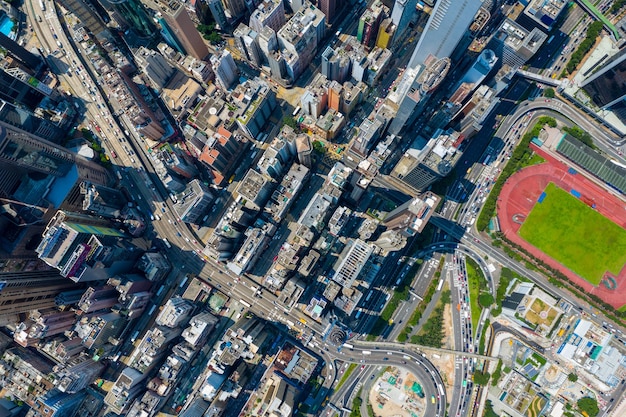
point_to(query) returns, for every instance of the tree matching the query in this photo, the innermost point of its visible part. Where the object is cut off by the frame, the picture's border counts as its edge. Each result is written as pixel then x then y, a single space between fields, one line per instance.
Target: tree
pixel 481 378
pixel 291 122
pixel 572 377
pixel 588 405
pixel 485 299
pixel 548 92
pixel 319 147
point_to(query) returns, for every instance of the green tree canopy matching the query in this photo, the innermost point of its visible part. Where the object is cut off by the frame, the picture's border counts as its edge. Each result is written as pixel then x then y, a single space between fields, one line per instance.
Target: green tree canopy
pixel 588 405
pixel 485 299
pixel 481 378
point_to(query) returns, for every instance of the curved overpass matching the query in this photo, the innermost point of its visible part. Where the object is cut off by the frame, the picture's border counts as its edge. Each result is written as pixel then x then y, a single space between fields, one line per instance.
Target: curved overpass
pixel 558 106
pixel 365 353
pixel 436 247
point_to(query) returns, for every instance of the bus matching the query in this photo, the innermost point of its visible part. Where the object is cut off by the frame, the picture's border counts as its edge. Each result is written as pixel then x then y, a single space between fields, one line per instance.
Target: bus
pixel 358 314
pixel 167 243
pixel 487 159
pixel 369 295
pixel 347 345
pixel 43 6
pixel 551 39
pixel 152 310
pixel 183 282
pixel 295 111
pixel 366 352
pixel 245 304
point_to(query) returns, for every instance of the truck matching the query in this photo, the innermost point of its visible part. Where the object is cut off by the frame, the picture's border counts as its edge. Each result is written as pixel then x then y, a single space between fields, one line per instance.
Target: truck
pixel 366 352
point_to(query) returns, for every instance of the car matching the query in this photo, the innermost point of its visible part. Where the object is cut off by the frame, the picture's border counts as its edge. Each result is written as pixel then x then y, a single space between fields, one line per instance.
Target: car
pixel 385 359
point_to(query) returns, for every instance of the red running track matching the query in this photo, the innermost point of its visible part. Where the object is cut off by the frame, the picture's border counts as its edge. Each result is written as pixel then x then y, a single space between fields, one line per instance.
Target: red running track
pixel 522 190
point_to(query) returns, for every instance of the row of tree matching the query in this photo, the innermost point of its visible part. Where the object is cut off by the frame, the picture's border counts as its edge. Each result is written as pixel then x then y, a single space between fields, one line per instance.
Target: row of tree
pixel 584 47
pixel 520 156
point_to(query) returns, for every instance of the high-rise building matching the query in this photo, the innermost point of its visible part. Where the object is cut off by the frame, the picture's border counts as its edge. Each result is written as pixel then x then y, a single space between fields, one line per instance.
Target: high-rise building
pixel 183 29
pixel 299 38
pixel 351 262
pixel 225 69
pixel 447 24
pixel 101 200
pixel 607 86
pixel 385 33
pixel 53 131
pixel 270 13
pixel 193 202
pixel 220 154
pixel 247 41
pixel 27 290
pixel 542 14
pixel 402 14
pixel 23 145
pixel 175 311
pixel 404 98
pixel 16 51
pixel 483 65
pixel 421 168
pixel 85 248
pixel 336 65
pixel 256 108
pixel 78 373
pixel 133 15
pixel 86 13
pixel 26 154
pixel 98 298
pixel 369 24
pixel 154 66
pixel 126 388
pixel 411 217
pixel 328 7
pixel 295 5
pixel 43 323
pixel 219 14
pixel 514 45
pixel 21 84
pixel 235 8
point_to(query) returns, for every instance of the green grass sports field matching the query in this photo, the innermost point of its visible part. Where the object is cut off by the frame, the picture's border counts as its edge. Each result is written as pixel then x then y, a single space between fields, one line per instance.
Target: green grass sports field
pixel 575 235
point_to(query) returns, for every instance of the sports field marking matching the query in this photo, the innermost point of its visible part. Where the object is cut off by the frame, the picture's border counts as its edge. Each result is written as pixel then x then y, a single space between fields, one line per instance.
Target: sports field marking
pixel 569 231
